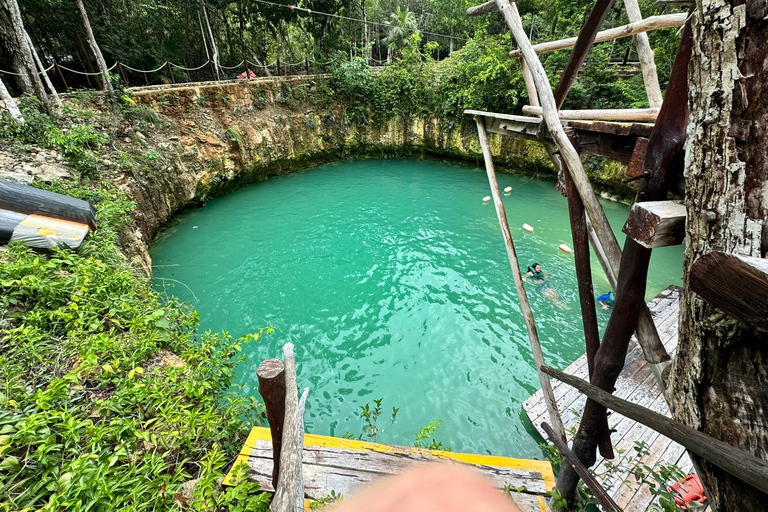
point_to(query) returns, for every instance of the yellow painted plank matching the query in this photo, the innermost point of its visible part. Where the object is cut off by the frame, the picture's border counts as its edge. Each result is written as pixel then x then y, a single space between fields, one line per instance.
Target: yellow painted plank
pixel 263 434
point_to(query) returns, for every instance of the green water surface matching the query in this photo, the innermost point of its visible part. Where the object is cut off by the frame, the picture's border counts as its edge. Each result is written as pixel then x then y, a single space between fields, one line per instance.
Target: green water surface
pixel 391 278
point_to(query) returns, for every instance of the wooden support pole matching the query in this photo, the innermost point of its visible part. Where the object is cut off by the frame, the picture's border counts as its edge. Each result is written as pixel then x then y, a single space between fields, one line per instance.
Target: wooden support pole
pixel 271 375
pixel 170 72
pixel 289 494
pixel 602 496
pixel 525 307
pixel 61 75
pixel 616 114
pixel 583 44
pixel 95 48
pixel 43 73
pixel 655 224
pixel 278 66
pixel 738 285
pixel 645 55
pixel 122 74
pixel 530 86
pixel 739 463
pixel 635 166
pixel 650 23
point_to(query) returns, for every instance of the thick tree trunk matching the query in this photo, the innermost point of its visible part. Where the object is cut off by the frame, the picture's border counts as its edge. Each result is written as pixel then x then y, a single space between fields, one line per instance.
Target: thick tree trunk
pixel 214 47
pixel 95 49
pixel 20 36
pixel 11 53
pixel 43 73
pixel 719 381
pixel 365 28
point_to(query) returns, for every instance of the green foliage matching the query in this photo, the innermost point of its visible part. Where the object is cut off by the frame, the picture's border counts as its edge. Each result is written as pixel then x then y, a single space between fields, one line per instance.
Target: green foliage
pixel 108 397
pixel 326 500
pixel 370 417
pixel 77 143
pixel 425 437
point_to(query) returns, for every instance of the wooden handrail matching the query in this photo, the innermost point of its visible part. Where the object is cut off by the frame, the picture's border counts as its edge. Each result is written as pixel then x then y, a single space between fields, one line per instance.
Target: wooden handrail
pixel 739 463
pixel 617 114
pixel 651 23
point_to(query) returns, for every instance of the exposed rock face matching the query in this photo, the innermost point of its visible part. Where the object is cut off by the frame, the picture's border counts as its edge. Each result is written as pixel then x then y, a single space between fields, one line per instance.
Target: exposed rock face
pixel 31 163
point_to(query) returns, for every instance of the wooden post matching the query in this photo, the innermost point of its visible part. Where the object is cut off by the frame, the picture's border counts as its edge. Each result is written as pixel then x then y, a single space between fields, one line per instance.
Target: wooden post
pixel 530 85
pixel 738 463
pixel 61 75
pixel 602 496
pixel 655 224
pixel 525 307
pixel 583 44
pixel 122 74
pixel 278 67
pixel 289 494
pixel 170 72
pixel 306 64
pixel 271 375
pixel 44 73
pixel 645 55
pixel 213 70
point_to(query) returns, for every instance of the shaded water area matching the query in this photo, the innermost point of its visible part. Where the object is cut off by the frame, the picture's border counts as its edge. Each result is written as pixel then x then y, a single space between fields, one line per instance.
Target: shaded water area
pixel 391 278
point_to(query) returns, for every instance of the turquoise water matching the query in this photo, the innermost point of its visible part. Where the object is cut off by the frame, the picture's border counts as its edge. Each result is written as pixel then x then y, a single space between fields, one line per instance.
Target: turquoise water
pixel 391 278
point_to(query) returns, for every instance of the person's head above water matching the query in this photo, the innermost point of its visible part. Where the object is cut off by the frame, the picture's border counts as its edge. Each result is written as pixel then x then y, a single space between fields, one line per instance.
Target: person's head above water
pixel 535 268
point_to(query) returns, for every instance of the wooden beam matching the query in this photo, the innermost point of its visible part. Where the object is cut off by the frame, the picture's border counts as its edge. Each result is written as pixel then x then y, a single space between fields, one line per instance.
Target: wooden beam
pixel 481 9
pixel 584 42
pixel 738 285
pixel 616 114
pixel 651 23
pixel 271 375
pixel 655 224
pixel 602 496
pixel 738 463
pixel 525 307
pixel 645 55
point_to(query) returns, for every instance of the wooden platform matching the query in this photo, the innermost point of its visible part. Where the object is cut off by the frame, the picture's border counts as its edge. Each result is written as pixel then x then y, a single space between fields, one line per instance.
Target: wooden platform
pixel 344 465
pixel 636 384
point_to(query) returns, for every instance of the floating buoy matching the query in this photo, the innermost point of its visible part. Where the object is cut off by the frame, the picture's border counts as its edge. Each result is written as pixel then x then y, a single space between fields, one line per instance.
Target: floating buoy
pixel 564 248
pixel 508 190
pixel 486 199
pixel 528 228
pixel 194 227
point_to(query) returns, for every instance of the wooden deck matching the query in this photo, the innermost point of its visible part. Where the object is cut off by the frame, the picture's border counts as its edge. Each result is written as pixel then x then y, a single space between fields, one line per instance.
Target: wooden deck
pixel 637 385
pixel 344 465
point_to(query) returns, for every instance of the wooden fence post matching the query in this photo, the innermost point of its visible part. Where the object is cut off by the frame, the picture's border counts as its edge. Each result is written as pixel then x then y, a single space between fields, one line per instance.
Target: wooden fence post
pixel 61 75
pixel 271 375
pixel 122 73
pixel 170 72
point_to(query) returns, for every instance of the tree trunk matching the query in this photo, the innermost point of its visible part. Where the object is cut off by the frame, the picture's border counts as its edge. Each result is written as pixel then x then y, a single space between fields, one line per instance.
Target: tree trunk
pixel 10 52
pixel 720 375
pixel 10 104
pixel 365 28
pixel 95 49
pixel 20 36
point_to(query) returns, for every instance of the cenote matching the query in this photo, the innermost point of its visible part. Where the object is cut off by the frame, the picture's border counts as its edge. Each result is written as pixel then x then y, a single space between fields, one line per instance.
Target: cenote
pixel 391 278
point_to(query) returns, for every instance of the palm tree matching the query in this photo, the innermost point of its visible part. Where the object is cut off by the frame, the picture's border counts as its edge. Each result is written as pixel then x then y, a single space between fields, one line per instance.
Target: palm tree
pixel 401 24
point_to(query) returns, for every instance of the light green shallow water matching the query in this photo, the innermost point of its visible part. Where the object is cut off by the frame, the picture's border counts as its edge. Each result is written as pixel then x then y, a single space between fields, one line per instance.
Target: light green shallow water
pixel 391 278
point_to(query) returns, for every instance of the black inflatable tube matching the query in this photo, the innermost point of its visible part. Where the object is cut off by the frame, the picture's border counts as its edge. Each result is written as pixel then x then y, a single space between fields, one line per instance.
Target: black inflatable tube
pixel 32 201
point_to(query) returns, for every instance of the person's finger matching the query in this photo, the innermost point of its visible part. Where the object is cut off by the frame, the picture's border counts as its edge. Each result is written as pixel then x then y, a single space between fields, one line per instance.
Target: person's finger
pixel 441 487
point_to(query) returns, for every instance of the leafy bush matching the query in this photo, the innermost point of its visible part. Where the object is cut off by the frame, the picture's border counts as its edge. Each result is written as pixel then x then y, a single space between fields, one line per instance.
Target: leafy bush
pixel 77 144
pixel 108 397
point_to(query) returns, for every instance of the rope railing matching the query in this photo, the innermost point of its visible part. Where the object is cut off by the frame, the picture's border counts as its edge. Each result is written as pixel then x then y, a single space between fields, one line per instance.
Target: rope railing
pixel 243 65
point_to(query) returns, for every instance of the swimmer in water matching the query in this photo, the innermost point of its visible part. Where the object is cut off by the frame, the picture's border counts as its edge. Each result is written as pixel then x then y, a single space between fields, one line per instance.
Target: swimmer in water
pixel 606 300
pixel 535 273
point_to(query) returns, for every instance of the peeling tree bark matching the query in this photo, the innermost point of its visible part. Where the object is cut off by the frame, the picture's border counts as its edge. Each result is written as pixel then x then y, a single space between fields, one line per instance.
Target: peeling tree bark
pixel 719 382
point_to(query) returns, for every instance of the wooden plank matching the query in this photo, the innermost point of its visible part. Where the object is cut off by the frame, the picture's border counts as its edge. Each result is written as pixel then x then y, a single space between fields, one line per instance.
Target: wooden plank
pixel 507 117
pixel 616 114
pixel 738 285
pixel 612 127
pixel 655 224
pixel 344 465
pixel 648 24
pixel 739 463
